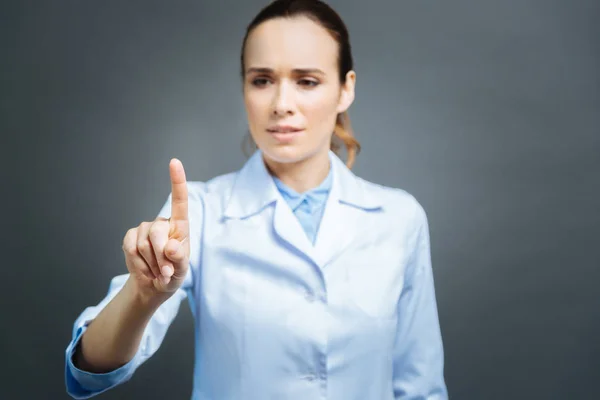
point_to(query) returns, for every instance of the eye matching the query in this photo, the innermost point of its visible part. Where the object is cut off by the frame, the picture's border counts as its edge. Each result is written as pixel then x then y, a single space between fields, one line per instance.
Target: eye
pixel 308 82
pixel 259 82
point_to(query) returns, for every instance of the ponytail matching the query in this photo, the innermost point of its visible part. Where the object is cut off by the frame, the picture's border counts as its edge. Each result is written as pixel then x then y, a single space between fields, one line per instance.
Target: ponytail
pixel 343 133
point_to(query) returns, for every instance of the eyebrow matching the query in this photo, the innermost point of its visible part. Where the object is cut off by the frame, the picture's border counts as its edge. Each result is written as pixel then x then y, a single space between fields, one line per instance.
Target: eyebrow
pixel 298 71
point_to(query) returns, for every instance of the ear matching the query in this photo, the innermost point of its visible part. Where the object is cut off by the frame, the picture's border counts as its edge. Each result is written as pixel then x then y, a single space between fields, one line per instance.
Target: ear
pixel 347 92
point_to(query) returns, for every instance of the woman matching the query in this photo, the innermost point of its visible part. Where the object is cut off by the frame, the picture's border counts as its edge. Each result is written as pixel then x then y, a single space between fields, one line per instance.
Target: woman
pixel 305 281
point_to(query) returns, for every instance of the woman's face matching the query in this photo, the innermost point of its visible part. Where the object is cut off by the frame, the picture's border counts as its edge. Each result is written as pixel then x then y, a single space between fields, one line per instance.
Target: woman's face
pixel 292 90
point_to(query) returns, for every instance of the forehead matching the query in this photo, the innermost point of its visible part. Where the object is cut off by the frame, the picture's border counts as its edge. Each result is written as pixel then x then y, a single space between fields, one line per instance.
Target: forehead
pixel 291 42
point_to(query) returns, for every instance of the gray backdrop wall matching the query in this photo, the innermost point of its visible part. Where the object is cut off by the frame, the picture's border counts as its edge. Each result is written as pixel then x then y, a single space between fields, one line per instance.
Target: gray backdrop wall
pixel 487 111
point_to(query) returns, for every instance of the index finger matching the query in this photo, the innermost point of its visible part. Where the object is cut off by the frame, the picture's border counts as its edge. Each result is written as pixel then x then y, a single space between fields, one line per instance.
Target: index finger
pixel 179 199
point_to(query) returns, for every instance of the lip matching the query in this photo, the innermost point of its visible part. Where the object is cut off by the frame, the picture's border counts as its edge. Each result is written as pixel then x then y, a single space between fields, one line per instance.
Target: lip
pixel 285 134
pixel 283 129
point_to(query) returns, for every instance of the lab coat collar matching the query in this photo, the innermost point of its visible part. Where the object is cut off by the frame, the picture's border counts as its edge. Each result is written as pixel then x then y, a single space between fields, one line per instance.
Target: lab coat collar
pixel 254 188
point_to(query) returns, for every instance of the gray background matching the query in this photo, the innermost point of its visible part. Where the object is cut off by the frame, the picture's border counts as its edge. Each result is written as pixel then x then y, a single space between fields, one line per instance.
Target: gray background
pixel 487 111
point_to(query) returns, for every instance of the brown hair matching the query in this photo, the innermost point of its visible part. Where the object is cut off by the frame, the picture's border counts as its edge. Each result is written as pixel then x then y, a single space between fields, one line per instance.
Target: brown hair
pixel 324 15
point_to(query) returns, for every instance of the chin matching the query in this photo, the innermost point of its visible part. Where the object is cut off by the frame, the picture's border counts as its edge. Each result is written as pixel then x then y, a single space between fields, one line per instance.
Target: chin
pixel 293 152
pixel 285 154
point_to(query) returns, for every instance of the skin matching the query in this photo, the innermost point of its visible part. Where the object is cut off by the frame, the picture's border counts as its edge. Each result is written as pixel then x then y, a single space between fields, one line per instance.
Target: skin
pixel 292 78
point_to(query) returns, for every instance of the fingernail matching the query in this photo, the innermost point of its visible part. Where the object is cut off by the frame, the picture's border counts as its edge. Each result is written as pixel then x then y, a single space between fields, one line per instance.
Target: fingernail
pixel 166 271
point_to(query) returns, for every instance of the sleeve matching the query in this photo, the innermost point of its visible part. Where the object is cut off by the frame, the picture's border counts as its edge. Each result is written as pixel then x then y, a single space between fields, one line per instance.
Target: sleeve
pixel 83 384
pixel 418 352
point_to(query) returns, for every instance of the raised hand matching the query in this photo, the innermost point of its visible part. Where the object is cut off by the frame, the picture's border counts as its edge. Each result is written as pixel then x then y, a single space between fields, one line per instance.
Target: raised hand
pixel 157 253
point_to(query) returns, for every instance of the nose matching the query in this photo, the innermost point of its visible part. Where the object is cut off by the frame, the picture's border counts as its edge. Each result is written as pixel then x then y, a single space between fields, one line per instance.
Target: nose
pixel 283 102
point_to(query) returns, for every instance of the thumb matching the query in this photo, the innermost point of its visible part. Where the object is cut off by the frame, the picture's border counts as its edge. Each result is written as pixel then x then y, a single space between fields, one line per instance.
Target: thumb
pixel 175 251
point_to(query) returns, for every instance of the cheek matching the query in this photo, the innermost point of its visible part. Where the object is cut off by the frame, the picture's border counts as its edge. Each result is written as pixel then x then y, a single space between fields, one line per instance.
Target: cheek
pixel 255 107
pixel 320 111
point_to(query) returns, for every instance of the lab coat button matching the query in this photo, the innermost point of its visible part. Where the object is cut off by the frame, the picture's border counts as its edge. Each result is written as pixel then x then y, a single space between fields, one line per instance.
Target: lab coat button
pixel 310 377
pixel 309 297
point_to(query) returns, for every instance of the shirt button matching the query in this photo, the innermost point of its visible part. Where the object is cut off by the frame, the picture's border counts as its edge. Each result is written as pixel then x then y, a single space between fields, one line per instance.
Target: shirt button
pixel 310 377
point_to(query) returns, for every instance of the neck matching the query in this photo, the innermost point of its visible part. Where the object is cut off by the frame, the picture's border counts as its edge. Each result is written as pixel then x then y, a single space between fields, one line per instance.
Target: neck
pixel 302 175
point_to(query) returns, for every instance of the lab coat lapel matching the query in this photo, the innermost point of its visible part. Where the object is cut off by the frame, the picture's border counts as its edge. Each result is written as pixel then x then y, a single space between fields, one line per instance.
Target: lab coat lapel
pixel 289 229
pixel 346 214
pixel 338 229
pixel 252 192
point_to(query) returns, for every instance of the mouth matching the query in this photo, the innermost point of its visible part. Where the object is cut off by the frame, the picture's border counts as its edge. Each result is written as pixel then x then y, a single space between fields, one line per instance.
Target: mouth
pixel 283 129
pixel 284 134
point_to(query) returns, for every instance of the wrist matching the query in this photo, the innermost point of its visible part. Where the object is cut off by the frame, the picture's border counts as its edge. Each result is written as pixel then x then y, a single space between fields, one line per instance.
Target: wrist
pixel 147 300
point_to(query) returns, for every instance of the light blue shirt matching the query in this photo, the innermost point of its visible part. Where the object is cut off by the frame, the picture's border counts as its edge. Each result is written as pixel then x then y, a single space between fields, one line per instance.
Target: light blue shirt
pixel 289 308
pixel 309 206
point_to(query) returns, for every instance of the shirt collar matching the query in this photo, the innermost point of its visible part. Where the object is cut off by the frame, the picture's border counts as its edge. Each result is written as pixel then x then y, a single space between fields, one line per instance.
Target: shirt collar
pixel 314 197
pixel 254 188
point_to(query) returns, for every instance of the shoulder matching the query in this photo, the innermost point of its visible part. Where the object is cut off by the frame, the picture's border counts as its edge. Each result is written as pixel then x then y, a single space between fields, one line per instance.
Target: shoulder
pixel 217 186
pixel 398 205
pixel 201 192
pixel 212 196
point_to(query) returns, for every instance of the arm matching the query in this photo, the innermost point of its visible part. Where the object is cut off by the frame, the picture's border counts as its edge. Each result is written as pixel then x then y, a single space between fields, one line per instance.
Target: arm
pixel 111 340
pixel 113 337
pixel 418 352
pixel 128 332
